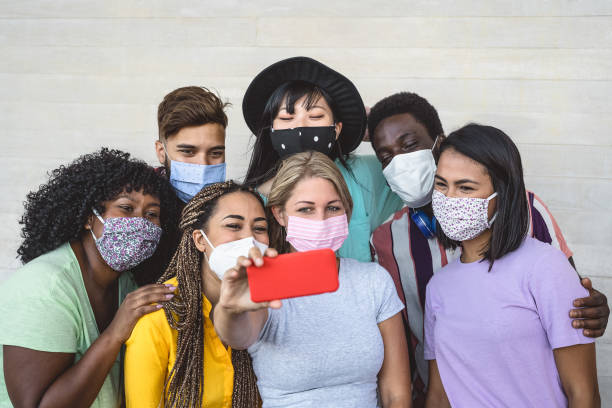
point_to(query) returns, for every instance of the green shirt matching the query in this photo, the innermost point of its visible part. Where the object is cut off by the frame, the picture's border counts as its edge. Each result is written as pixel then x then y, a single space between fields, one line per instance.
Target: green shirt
pixel 44 306
pixel 373 204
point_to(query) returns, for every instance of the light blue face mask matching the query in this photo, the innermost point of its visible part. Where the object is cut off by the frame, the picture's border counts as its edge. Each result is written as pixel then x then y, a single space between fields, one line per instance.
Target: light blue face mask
pixel 189 178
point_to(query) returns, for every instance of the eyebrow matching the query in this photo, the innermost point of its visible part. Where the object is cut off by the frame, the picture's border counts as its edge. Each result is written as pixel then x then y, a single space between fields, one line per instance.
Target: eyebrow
pixel 238 217
pixel 462 181
pixel 311 108
pixel 125 195
pixel 185 146
pixel 219 147
pixel 333 201
pixel 260 219
pixel 305 202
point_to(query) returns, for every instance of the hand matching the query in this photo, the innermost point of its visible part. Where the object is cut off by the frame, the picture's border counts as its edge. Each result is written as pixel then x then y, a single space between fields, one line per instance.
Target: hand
pixel 593 317
pixel 136 304
pixel 235 295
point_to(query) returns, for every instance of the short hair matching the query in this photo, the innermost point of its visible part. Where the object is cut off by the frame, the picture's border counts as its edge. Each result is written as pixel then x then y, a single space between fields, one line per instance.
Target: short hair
pixel 189 106
pixel 406 102
pixel 494 149
pixel 297 167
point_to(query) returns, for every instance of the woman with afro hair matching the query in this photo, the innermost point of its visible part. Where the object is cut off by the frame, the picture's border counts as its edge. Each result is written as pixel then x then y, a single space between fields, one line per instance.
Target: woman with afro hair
pixel 69 309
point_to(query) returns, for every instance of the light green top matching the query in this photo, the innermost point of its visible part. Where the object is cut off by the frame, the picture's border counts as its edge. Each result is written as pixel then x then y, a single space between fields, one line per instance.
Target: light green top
pixel 44 306
pixel 373 204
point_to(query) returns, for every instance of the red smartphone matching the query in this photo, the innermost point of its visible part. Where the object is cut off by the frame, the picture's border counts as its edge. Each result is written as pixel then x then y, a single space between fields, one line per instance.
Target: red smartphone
pixel 293 275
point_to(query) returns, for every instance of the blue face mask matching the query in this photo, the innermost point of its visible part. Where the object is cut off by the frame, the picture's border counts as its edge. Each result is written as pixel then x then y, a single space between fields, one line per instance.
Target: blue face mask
pixel 189 178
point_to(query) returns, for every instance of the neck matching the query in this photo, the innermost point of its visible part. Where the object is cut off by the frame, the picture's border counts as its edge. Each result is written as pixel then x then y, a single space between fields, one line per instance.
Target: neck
pixel 97 275
pixel 473 250
pixel 211 284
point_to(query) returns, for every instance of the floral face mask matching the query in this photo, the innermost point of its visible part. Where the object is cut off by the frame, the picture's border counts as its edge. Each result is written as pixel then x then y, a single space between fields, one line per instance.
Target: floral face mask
pixel 126 241
pixel 462 218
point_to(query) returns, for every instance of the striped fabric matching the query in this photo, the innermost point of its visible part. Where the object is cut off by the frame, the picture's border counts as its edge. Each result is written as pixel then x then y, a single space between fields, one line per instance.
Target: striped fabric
pixel 411 259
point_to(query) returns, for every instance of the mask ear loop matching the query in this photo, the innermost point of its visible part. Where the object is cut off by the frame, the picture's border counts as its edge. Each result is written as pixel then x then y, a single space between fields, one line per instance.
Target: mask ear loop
pixel 489 198
pixel 97 214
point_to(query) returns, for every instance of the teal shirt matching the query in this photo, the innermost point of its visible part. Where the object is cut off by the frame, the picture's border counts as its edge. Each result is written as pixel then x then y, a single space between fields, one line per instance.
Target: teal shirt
pixel 373 204
pixel 44 306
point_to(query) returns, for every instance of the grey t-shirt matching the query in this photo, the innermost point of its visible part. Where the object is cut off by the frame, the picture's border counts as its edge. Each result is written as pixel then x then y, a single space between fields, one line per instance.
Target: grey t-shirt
pixel 326 350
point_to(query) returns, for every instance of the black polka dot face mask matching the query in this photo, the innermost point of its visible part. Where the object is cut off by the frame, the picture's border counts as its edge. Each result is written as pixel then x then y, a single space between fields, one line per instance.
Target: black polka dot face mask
pixel 301 139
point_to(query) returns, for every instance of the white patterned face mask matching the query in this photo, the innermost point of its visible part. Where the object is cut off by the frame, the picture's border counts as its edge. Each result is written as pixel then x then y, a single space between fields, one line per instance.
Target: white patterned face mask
pixel 462 218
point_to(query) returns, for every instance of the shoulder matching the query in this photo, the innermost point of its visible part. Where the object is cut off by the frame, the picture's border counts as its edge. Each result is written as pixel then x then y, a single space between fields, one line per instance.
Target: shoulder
pixel 363 167
pixel 370 273
pixel 48 275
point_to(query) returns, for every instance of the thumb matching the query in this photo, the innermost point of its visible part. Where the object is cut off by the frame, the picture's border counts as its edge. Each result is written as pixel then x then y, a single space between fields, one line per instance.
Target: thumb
pixel 586 282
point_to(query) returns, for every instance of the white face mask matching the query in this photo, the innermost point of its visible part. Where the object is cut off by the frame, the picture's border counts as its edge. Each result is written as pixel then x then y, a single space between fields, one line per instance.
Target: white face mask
pixel 462 218
pixel 411 176
pixel 224 256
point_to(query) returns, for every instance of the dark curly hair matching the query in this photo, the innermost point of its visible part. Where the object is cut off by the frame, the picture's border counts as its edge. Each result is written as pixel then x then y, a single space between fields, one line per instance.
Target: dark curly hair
pixel 406 102
pixel 58 211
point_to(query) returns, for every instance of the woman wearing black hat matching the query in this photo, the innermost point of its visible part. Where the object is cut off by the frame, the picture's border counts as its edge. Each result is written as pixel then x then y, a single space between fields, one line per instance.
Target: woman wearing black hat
pixel 299 104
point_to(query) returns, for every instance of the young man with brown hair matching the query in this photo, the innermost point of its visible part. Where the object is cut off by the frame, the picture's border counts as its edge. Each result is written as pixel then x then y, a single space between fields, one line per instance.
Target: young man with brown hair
pixel 191 144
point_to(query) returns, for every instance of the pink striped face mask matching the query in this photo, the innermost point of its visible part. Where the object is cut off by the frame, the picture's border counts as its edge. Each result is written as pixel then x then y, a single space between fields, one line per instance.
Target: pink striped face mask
pixel 305 234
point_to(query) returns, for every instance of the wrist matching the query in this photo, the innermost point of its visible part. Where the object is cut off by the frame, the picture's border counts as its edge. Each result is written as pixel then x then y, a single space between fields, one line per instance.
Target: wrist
pixel 111 339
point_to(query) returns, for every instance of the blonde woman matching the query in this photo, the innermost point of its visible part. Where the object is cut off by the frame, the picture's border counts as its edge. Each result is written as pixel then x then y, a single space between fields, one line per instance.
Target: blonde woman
pixel 174 357
pixel 327 350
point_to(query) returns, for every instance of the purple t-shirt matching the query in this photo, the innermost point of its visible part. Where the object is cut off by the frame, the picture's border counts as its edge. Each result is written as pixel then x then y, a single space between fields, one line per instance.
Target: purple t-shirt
pixel 492 334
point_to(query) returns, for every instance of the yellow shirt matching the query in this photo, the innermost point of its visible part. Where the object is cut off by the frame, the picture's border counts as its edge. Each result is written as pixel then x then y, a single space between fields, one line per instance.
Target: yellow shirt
pixel 150 354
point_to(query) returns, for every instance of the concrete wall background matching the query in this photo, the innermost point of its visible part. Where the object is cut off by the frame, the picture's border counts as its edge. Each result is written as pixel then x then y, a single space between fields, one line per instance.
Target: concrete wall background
pixel 76 75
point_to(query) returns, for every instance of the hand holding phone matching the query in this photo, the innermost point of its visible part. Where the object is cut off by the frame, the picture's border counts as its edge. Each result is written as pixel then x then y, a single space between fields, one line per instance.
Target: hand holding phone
pixel 292 275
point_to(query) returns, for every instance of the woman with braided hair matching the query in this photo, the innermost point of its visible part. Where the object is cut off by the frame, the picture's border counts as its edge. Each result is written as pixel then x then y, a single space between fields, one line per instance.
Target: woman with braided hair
pixel 174 357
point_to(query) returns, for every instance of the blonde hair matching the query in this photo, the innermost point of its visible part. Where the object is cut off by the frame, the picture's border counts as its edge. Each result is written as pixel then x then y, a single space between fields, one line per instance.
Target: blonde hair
pixel 294 169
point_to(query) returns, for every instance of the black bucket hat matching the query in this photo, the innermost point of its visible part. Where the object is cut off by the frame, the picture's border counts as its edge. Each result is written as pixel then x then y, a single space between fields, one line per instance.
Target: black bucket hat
pixel 349 107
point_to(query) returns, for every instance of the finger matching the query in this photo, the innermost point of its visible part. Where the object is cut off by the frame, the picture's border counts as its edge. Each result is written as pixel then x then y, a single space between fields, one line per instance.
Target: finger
pixel 594 324
pixel 256 256
pixel 593 333
pixel 151 298
pixel 271 253
pixel 593 300
pixel 589 313
pixel 146 309
pixel 137 297
pixel 275 304
pixel 586 282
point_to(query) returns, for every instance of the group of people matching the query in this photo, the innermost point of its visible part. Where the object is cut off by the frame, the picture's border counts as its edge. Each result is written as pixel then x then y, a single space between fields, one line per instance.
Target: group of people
pixel 456 286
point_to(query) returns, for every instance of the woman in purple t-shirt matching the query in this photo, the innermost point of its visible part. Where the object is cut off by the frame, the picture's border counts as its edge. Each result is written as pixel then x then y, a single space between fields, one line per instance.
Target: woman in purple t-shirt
pixel 520 350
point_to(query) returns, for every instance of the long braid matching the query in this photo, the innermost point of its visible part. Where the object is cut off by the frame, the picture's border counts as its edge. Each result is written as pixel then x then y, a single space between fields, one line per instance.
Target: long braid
pixel 185 383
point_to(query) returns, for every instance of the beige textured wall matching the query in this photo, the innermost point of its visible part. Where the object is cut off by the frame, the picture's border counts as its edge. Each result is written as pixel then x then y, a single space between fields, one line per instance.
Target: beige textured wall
pixel 76 75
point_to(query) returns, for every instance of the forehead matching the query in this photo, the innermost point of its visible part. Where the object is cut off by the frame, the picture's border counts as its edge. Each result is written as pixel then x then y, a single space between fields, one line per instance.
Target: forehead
pixel 393 127
pixel 454 165
pixel 301 103
pixel 314 189
pixel 203 135
pixel 239 203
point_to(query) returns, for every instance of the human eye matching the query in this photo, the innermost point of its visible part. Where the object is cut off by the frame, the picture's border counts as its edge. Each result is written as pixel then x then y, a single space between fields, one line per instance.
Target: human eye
pixel 260 229
pixel 305 210
pixel 439 183
pixel 152 214
pixel 126 208
pixel 217 153
pixel 233 226
pixel 333 208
